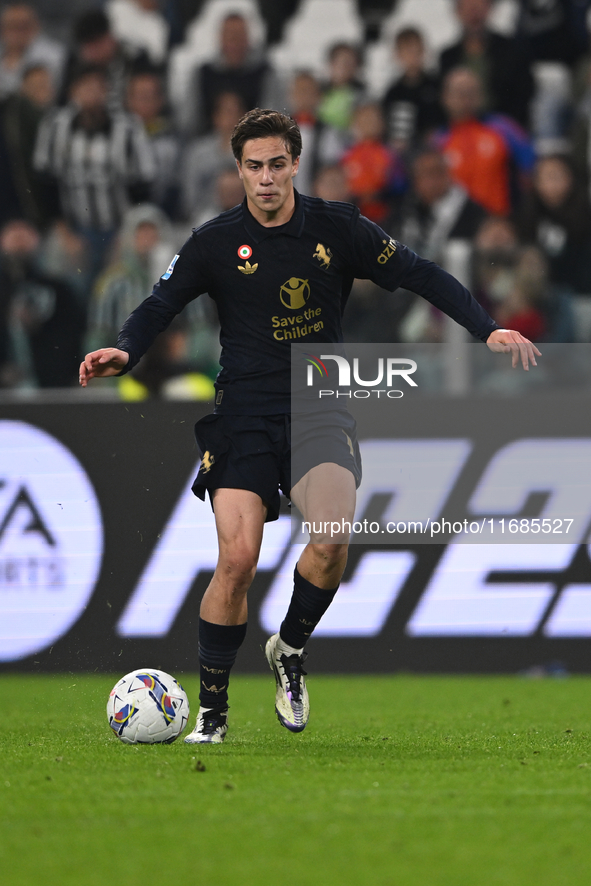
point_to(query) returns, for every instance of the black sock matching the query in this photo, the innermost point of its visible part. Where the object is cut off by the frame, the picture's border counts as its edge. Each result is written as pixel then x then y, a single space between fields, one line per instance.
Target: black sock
pixel 308 605
pixel 218 646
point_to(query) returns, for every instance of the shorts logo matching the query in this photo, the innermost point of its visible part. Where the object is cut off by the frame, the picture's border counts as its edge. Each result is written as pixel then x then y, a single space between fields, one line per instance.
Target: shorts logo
pixel 207 462
pixel 323 255
pixel 247 268
pixel 244 251
pixel 170 269
pixel 295 293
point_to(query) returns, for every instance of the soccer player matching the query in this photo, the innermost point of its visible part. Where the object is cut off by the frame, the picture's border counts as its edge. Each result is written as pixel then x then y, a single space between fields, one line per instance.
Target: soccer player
pixel 279 267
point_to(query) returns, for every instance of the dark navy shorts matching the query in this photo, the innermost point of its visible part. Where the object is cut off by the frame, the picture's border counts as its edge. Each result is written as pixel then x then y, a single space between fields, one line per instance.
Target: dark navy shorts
pixel 261 454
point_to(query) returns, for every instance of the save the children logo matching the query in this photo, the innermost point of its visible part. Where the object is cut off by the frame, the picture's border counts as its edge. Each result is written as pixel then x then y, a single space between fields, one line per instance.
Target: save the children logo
pixel 51 539
pixel 294 293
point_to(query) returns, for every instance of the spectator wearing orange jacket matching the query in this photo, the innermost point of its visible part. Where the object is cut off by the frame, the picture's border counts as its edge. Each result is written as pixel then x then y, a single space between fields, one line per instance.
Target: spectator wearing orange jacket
pixel 373 171
pixel 489 154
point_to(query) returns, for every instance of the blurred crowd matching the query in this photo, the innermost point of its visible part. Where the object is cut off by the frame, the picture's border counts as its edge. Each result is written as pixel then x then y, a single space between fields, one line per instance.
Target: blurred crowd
pixel 115 119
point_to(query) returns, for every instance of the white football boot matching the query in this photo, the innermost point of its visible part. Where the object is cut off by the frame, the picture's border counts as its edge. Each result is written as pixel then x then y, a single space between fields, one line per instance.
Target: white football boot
pixel 210 728
pixel 292 705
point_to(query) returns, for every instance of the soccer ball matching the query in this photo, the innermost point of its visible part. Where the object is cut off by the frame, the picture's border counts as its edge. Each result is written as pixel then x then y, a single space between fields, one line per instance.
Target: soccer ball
pixel 147 707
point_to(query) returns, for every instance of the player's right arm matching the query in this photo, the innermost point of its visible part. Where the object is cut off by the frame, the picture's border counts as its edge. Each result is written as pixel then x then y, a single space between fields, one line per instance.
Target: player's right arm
pixel 137 334
pixel 184 280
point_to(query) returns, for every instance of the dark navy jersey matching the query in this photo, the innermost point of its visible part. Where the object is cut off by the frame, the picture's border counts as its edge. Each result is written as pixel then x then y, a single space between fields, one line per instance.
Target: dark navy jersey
pixel 278 285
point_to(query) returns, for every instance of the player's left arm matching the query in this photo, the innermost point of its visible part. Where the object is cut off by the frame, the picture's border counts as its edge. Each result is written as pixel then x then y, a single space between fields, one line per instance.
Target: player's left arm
pixel 391 264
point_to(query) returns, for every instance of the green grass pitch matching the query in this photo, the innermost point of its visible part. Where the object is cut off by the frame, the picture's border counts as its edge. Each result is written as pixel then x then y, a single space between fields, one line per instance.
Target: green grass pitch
pixel 397 781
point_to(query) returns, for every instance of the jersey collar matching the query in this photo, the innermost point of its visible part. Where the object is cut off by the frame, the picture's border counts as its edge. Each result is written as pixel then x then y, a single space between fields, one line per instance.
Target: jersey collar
pixel 292 228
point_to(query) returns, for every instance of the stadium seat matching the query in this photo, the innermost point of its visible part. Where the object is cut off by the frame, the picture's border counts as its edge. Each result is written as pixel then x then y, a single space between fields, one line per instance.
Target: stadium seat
pixel 438 24
pixel 139 28
pixel 312 30
pixel 437 21
pixel 550 107
pixel 503 17
pixel 201 41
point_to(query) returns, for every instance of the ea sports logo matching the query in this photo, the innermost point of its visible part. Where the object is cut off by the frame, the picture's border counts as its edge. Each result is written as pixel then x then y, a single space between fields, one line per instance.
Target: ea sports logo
pixel 51 539
pixel 295 293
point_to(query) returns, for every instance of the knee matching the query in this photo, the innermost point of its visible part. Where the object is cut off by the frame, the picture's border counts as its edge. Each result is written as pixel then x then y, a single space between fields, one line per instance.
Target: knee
pixel 329 555
pixel 238 566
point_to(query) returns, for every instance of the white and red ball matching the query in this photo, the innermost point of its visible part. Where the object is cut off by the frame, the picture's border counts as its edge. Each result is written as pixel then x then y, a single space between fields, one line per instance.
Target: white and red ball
pixel 148 706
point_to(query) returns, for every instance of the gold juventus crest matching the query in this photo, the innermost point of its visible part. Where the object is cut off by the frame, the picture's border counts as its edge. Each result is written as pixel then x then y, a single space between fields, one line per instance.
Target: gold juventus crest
pixel 323 255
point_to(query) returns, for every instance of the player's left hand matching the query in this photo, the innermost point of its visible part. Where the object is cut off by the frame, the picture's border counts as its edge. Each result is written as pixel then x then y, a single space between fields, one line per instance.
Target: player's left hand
pixel 508 341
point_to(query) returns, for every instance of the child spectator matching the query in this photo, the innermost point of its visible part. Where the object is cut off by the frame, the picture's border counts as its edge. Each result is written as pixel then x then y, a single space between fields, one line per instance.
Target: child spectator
pixel 344 90
pixel 321 144
pixel 374 172
pixel 38 87
pixel 411 104
pixel 556 217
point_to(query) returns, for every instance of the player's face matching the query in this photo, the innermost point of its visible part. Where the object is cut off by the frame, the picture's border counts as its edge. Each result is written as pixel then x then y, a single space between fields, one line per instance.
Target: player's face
pixel 267 170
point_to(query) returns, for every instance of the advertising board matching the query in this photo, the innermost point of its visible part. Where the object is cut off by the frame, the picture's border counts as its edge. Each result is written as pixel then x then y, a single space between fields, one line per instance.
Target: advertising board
pixel 105 552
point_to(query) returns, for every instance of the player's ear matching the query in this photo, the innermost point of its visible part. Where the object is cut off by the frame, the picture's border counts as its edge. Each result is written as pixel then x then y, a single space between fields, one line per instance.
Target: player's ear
pixel 296 164
pixel 239 168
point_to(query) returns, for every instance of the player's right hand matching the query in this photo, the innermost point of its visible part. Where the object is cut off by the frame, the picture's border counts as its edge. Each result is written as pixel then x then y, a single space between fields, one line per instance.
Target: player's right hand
pixel 102 363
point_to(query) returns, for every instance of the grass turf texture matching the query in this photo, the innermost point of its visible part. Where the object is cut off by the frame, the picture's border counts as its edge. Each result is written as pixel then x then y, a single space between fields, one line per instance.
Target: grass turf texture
pixel 398 781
